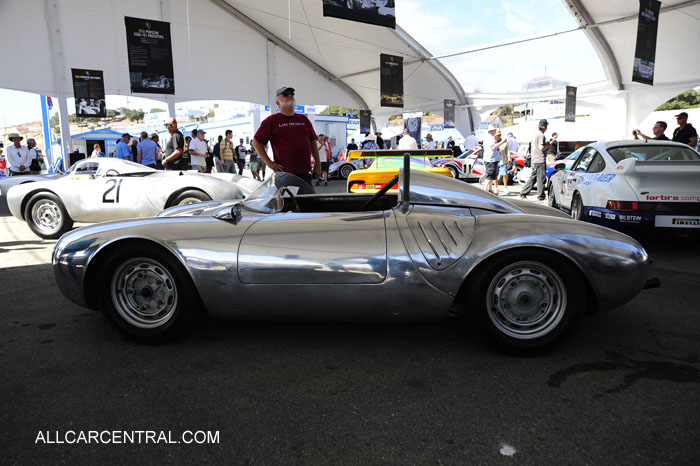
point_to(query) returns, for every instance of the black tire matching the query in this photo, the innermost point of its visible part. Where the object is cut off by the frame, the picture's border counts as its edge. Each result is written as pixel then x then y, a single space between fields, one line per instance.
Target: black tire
pixel 527 300
pixel 190 196
pixel 577 208
pixel 47 216
pixel 551 200
pixel 454 172
pixel 345 171
pixel 147 294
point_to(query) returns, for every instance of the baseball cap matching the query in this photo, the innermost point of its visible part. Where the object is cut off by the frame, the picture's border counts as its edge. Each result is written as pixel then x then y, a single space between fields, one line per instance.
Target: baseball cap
pixel 171 121
pixel 284 89
pixel 126 135
pixel 682 115
pixel 510 134
pixel 201 131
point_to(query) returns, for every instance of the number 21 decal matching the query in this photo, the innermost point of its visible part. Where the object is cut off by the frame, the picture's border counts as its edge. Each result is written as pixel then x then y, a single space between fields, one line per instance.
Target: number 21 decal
pixel 111 185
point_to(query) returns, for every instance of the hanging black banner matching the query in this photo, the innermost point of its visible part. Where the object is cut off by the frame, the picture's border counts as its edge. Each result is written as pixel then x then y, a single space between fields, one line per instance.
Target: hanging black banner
pixel 391 80
pixel 365 121
pixel 570 106
pixel 645 52
pixel 449 113
pixel 150 56
pixel 379 12
pixel 89 93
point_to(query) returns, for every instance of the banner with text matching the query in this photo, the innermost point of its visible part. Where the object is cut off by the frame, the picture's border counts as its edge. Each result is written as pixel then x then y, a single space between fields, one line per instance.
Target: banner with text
pixel 89 93
pixel 391 80
pixel 449 113
pixel 379 12
pixel 365 121
pixel 645 52
pixel 150 56
pixel 570 106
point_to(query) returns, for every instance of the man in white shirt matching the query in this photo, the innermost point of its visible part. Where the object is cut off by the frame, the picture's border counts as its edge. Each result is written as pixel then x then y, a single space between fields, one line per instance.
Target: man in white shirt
pixel 492 155
pixel 512 143
pixel 18 156
pixel 198 150
pixel 471 142
pixel 324 155
pixel 407 142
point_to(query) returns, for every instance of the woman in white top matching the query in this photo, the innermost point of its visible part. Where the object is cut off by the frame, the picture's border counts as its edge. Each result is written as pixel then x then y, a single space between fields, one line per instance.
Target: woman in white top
pixel 97 151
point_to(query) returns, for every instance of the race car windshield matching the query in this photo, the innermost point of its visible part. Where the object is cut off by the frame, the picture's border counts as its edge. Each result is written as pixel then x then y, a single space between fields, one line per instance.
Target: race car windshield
pixel 653 152
pixel 264 198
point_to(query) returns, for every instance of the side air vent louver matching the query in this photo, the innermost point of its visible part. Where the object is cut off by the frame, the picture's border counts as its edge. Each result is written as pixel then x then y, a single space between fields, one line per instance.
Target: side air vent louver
pixel 441 241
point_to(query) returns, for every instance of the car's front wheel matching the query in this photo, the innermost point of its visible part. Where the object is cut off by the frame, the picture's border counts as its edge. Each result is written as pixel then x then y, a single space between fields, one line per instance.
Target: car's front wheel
pixel 528 300
pixel 46 216
pixel 147 294
pixel 454 172
pixel 551 200
pixel 577 208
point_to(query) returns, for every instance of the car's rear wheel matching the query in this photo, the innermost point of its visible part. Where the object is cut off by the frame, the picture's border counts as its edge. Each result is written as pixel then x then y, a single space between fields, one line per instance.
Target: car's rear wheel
pixel 454 172
pixel 345 171
pixel 577 208
pixel 189 197
pixel 528 300
pixel 147 294
pixel 46 216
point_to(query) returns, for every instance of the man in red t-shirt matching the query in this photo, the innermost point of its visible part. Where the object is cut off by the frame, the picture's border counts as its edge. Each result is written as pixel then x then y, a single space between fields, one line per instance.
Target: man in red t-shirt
pixel 292 138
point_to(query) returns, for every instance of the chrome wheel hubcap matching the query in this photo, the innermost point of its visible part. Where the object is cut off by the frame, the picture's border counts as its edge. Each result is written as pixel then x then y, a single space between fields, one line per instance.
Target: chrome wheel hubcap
pixel 46 215
pixel 345 171
pixel 144 293
pixel 526 300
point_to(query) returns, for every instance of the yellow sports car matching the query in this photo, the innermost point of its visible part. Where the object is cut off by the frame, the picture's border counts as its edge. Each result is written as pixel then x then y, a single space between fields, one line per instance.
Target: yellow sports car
pixel 386 166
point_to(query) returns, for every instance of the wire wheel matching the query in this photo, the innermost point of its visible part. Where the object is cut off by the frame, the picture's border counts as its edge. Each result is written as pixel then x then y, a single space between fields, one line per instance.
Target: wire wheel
pixel 144 293
pixel 526 300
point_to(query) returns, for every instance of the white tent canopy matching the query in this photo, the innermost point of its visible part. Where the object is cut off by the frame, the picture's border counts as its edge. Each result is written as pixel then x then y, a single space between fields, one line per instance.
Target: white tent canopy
pixel 244 49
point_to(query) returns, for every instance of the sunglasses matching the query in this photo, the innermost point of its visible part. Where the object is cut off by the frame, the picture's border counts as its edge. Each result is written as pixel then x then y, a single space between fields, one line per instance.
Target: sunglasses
pixel 287 94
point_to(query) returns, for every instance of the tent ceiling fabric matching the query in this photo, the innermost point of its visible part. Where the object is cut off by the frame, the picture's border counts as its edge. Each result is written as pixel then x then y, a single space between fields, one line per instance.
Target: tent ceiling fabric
pixel 220 52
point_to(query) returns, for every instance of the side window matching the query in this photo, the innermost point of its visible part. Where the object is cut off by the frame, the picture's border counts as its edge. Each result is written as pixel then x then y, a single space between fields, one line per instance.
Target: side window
pixel 585 160
pixel 597 165
pixel 87 168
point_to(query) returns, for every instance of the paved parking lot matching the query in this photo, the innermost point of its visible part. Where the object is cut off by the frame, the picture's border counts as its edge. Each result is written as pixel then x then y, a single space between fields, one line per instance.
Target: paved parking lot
pixel 624 390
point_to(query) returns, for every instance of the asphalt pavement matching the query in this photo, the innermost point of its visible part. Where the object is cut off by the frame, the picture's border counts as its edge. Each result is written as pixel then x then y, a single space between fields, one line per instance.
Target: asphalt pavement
pixel 624 390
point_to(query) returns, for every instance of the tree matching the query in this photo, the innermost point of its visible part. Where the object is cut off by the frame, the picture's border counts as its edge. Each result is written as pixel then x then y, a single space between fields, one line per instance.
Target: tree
pixel 333 110
pixel 156 110
pixel 687 99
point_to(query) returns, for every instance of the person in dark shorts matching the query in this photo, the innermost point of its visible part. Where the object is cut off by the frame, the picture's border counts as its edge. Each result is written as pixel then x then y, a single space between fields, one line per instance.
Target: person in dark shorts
pixel 292 137
pixel 174 157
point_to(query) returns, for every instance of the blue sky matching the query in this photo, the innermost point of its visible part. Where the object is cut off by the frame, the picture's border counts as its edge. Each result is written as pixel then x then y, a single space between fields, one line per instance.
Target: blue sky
pixel 442 27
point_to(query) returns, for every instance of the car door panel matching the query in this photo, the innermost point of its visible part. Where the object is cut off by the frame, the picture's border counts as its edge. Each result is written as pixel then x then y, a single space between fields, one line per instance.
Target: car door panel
pixel 322 248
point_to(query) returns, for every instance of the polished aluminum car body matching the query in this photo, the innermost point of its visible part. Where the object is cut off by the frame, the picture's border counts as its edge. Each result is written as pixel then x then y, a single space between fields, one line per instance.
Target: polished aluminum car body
pixel 100 189
pixel 410 256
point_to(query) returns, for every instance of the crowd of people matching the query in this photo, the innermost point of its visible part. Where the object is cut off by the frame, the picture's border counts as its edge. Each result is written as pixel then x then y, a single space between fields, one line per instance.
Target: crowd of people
pixel 293 141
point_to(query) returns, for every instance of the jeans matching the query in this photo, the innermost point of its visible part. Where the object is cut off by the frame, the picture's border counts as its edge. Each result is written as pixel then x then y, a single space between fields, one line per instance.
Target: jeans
pixel 241 166
pixel 539 174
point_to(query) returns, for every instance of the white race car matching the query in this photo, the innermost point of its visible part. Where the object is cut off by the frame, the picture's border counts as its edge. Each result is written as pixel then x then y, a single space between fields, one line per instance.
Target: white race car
pixel 631 185
pixel 99 189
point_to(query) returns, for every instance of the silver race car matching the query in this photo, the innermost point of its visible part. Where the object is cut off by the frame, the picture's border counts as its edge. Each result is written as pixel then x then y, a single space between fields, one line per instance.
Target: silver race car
pixel 99 189
pixel 526 272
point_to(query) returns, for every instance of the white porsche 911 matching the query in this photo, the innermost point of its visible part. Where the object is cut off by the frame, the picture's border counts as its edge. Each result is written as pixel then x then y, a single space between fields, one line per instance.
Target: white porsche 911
pixel 631 185
pixel 99 189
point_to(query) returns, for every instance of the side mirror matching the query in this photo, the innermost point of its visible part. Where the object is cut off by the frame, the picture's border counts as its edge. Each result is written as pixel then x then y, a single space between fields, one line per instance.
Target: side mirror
pixel 559 167
pixel 236 214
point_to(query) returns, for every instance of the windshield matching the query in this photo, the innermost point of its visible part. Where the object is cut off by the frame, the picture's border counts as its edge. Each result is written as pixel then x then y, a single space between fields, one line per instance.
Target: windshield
pixel 397 162
pixel 264 198
pixel 653 152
